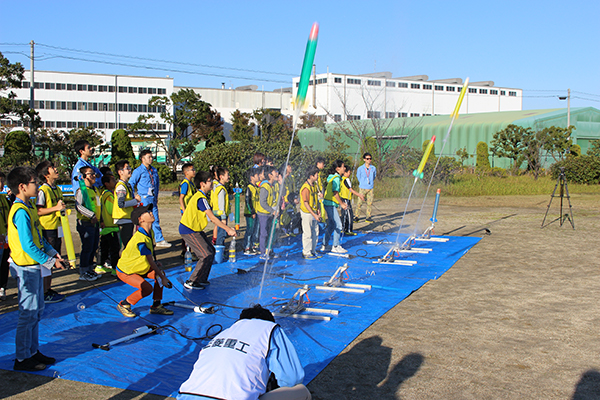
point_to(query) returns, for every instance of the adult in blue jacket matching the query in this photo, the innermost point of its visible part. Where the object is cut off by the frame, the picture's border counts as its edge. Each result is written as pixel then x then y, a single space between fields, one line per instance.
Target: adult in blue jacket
pixel 366 175
pixel 85 152
pixel 144 179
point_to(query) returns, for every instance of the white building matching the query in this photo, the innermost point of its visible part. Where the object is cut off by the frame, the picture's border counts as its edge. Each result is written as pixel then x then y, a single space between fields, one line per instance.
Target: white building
pixel 67 100
pixel 342 97
pixel 246 99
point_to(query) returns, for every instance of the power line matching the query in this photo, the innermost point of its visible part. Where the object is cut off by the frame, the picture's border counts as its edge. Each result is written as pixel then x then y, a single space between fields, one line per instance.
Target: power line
pixel 170 69
pixel 164 61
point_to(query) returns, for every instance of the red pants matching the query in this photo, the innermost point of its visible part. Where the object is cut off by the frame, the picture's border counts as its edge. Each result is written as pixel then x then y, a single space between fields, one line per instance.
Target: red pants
pixel 138 281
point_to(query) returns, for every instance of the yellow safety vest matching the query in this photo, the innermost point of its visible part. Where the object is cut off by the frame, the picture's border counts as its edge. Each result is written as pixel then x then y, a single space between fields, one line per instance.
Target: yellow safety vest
pixel 95 199
pixel 191 191
pixel 214 200
pixel 19 256
pixel 313 199
pixel 108 203
pixel 270 198
pixel 276 188
pixel 344 191
pixel 192 217
pixel 52 195
pixel 122 213
pixel 131 261
pixel 329 189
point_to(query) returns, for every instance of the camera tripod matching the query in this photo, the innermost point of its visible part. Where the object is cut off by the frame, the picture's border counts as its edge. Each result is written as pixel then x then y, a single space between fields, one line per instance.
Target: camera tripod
pixel 561 183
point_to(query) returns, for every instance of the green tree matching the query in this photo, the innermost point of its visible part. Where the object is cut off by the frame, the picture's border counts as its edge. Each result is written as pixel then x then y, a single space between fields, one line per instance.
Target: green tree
pixel 594 149
pixel 575 150
pixel 243 127
pixel 211 131
pixel 11 76
pixel 273 126
pixel 463 155
pixel 556 141
pixel 121 148
pixel 310 121
pixel 509 143
pixel 17 149
pixel 482 162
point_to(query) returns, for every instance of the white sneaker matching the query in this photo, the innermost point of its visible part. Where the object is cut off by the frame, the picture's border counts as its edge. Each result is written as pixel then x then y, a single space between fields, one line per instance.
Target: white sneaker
pixel 325 249
pixel 2 294
pixel 164 244
pixel 338 249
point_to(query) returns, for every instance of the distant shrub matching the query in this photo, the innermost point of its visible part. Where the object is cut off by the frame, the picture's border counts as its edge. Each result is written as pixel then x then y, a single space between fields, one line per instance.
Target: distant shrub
pixel 483 156
pixel 581 169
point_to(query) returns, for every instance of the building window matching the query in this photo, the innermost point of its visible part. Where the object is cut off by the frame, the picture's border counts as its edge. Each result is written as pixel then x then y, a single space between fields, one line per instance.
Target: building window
pixel 71 124
pixel 402 114
pixel 493 91
pixel 81 124
pixel 71 86
pixel 415 86
pixel 82 106
pixel 111 89
pixel 352 81
pixel 142 90
pixel 514 94
pixel 61 124
pixel 414 115
pixel 449 88
pixel 162 91
pixel 49 86
pixel 132 89
pixel 402 85
pixel 122 89
pixel 102 107
pixel 337 117
pixel 25 85
pixel 39 85
pixel 353 117
pixel 373 114
pixel 81 88
pixel 374 83
pixel 472 90
pixel 503 93
pixel 482 91
pixel 49 124
pixel 426 86
pixel 71 105
pixel 321 81
pixel 61 86
pixel 459 88
pixel 153 90
pixel 102 88
pixel 337 80
pixel 92 88
pixel 390 84
pixel 61 105
pixel 111 107
pixel 390 115
pixel 50 105
pixel 111 125
pixel 438 87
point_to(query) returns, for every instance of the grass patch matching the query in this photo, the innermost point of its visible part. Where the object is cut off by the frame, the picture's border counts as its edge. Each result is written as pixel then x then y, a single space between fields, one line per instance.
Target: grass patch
pixel 471 185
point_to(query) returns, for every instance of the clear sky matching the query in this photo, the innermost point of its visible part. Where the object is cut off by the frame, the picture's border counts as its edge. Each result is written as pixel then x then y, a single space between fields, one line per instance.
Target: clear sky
pixel 542 47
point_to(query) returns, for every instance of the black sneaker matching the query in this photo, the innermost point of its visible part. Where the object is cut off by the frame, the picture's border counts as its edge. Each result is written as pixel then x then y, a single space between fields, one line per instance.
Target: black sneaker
pixel 356 219
pixel 193 285
pixel 43 359
pixel 52 297
pixel 368 220
pixel 29 364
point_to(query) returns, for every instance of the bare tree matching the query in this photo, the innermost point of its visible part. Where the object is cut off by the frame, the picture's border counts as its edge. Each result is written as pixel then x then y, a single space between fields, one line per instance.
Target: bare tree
pixel 385 138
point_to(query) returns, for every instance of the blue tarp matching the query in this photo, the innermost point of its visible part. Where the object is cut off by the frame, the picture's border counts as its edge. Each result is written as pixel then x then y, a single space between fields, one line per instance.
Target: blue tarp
pixel 159 363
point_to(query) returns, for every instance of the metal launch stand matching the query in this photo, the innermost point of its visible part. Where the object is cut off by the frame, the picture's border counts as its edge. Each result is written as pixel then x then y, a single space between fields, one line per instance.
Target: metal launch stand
pixel 336 283
pixel 295 308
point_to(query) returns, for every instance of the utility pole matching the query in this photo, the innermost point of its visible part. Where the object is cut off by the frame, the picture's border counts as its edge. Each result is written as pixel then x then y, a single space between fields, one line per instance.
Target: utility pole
pixel 568 108
pixel 32 97
pixel 315 86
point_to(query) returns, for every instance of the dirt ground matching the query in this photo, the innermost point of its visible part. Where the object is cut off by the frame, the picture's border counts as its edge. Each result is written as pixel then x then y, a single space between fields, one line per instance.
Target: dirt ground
pixel 514 318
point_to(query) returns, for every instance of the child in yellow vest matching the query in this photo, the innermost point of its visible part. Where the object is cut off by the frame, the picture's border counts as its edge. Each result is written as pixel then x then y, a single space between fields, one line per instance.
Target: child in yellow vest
pixel 49 205
pixel 4 250
pixel 89 211
pixel 125 201
pixel 250 212
pixel 186 190
pixel 137 263
pixel 192 225
pixel 110 244
pixel 29 252
pixel 219 202
pixel 310 213
pixel 346 193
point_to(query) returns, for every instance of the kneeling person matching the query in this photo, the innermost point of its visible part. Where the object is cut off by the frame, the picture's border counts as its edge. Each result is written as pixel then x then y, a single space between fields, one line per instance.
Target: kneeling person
pixel 253 359
pixel 137 263
pixel 193 221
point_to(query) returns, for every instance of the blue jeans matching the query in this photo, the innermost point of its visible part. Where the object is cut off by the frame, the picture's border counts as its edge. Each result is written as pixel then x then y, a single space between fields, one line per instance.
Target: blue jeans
pixel 221 233
pixel 158 235
pixel 265 223
pixel 334 224
pixel 31 307
pixel 90 236
pixel 251 236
